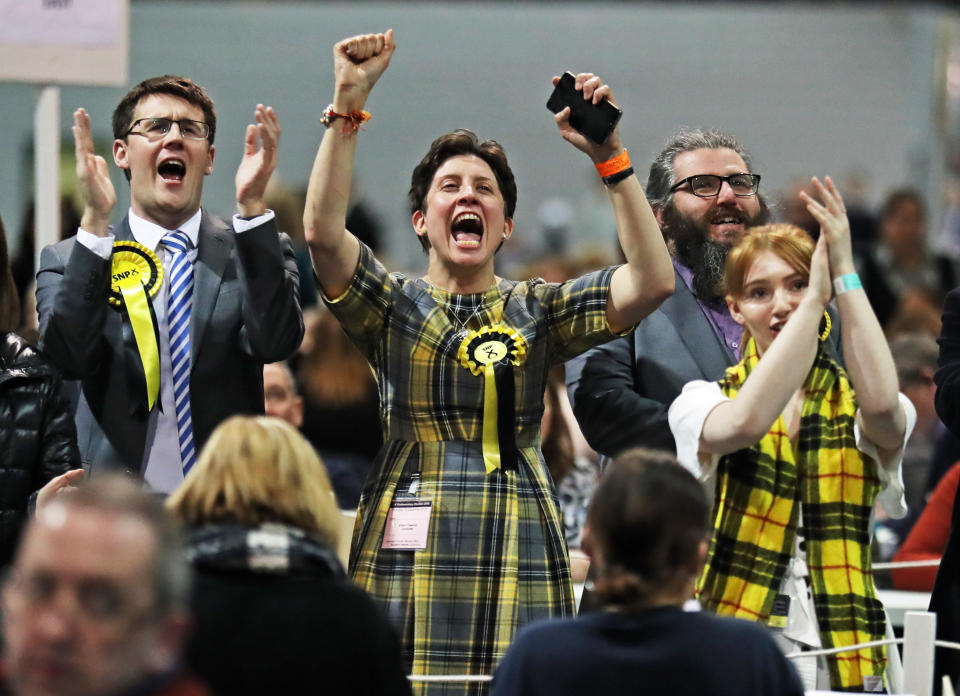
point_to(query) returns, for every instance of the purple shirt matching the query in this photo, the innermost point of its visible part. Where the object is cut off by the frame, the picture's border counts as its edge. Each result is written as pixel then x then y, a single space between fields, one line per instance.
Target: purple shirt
pixel 727 330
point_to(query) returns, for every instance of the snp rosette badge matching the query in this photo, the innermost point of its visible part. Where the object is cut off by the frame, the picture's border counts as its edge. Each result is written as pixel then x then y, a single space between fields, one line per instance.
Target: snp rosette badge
pixel 493 352
pixel 136 275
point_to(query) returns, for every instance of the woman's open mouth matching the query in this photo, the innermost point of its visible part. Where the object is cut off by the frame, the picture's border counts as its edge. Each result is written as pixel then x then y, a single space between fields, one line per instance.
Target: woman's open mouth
pixel 467 230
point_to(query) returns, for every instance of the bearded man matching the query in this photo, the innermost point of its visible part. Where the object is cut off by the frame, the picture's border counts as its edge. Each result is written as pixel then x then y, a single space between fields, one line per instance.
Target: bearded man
pixel 705 195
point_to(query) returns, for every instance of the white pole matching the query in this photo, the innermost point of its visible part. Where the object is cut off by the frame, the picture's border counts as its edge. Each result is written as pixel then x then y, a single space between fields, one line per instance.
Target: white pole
pixel 919 632
pixel 46 167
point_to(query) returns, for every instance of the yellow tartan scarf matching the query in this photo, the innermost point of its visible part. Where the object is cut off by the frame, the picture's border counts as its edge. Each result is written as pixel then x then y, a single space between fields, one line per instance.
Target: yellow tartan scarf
pixel 756 515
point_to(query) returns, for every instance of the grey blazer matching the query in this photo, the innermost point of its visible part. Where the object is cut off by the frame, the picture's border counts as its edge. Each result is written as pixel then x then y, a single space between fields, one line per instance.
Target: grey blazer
pixel 621 391
pixel 246 311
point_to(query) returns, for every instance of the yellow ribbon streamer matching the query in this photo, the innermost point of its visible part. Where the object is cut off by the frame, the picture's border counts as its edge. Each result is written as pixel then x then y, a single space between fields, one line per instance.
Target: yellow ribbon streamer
pixel 491 442
pixel 479 352
pixel 138 309
pixel 136 275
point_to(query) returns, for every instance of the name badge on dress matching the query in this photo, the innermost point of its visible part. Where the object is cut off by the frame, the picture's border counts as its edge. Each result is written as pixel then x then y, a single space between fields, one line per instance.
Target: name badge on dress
pixel 780 612
pixel 407 523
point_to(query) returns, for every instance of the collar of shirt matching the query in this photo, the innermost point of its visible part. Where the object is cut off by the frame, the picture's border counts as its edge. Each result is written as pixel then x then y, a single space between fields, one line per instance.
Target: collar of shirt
pixel 723 325
pixel 149 233
pixel 685 273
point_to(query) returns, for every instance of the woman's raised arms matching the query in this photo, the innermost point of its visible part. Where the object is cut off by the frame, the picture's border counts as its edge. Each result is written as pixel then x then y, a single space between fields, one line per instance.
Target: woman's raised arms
pixel 358 63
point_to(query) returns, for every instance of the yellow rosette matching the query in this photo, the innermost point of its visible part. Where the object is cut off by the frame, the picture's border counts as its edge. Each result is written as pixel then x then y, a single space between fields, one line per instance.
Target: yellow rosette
pixel 482 352
pixel 135 276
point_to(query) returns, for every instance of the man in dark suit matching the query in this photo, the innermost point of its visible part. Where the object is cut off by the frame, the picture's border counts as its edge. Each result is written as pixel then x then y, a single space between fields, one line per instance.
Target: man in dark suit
pixel 164 358
pixel 704 194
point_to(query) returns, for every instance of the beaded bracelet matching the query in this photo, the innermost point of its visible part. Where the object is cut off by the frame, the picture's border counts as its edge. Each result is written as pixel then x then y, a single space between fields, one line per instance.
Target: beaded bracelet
pixel 352 121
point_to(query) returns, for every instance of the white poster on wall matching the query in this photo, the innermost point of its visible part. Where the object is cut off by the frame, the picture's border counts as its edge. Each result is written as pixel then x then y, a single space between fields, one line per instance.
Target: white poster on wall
pixel 61 22
pixel 64 41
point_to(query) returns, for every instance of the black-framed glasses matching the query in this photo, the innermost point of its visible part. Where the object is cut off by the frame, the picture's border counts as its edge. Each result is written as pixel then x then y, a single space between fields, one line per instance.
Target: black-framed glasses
pixel 157 128
pixel 709 185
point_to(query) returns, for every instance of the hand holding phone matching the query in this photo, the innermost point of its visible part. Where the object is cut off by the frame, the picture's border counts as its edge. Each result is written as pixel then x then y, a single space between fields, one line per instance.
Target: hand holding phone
pixel 595 121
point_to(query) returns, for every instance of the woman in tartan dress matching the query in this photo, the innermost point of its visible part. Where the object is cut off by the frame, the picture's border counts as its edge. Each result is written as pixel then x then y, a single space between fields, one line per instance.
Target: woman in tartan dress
pixel 458 535
pixel 796 450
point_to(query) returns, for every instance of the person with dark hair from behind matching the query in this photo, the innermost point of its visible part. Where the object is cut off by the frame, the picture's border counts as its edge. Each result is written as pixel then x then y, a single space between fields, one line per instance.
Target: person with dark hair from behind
pixel 38 440
pixel 273 609
pixel 647 535
pixel 97 600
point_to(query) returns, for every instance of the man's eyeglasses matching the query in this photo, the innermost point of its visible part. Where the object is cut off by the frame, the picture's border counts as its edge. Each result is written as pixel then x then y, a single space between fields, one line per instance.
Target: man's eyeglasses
pixel 709 185
pixel 156 128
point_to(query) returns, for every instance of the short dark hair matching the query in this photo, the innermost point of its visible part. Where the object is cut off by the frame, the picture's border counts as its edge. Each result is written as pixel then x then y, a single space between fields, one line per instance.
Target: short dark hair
pixel 454 144
pixel 898 197
pixel 176 85
pixel 662 173
pixel 647 518
pixel 916 356
pixel 118 495
pixel 9 300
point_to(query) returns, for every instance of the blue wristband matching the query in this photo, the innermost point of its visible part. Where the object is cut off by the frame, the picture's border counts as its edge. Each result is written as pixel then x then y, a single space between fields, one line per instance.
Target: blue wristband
pixel 846 283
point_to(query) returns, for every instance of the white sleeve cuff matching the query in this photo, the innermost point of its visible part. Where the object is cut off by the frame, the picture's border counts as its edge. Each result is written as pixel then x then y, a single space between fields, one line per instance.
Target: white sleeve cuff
pixel 889 467
pixel 101 246
pixel 242 224
pixel 686 416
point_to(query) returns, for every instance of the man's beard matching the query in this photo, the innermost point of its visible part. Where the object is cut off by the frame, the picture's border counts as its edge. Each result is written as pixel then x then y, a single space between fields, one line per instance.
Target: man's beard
pixel 705 257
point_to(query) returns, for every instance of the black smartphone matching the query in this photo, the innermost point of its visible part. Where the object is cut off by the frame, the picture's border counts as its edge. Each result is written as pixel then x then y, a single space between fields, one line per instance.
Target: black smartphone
pixel 596 121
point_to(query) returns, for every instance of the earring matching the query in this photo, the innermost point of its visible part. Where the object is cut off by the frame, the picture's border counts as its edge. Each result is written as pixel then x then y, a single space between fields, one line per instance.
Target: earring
pixel 504 235
pixel 828 324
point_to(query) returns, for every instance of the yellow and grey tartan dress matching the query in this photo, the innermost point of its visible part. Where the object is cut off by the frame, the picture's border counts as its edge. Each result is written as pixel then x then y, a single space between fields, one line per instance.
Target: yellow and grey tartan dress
pixel 495 557
pixel 757 516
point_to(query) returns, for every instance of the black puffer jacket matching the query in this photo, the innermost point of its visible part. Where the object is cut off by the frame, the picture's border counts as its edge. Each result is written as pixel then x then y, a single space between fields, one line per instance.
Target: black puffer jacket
pixel 38 439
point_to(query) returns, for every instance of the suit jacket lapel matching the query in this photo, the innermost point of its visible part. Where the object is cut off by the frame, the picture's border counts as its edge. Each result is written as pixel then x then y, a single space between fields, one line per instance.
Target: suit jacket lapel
pixel 122 232
pixel 696 332
pixel 213 252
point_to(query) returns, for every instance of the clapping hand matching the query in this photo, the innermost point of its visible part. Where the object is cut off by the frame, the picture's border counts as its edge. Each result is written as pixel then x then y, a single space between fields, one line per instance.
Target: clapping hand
pixel 259 161
pixel 96 188
pixel 820 286
pixel 834 226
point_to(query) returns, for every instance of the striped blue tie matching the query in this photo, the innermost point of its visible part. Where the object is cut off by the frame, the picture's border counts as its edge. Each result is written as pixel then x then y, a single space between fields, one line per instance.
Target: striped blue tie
pixel 179 303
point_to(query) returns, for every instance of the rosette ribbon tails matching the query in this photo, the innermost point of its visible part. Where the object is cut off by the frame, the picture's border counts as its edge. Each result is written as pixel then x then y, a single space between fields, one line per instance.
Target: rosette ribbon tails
pixel 493 351
pixel 135 276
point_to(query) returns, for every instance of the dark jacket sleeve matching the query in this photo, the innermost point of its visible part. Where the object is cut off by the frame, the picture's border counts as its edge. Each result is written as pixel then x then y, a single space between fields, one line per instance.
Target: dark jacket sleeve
pixel 272 318
pixel 607 401
pixel 72 288
pixel 947 376
pixel 58 439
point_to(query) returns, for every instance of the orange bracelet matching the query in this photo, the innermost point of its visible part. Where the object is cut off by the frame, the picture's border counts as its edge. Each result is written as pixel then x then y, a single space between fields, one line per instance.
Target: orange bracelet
pixel 614 165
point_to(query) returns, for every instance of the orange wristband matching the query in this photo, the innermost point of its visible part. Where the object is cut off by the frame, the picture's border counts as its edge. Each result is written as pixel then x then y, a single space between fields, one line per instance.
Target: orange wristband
pixel 614 165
